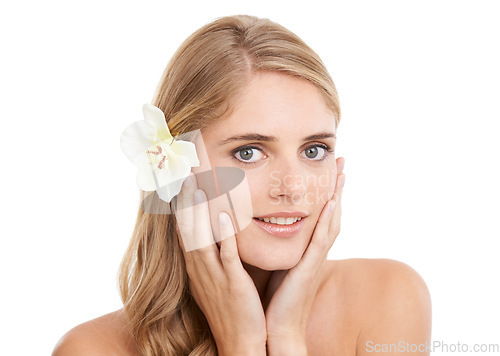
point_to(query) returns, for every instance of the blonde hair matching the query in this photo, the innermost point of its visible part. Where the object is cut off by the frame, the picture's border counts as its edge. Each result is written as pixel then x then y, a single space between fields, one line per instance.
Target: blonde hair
pixel 200 83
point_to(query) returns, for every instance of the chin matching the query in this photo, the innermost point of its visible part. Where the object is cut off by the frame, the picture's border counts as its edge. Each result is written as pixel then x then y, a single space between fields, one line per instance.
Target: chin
pixel 272 263
pixel 277 267
pixel 270 253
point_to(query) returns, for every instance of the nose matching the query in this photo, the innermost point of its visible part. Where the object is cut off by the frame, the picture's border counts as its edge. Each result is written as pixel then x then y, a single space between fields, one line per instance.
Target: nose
pixel 288 181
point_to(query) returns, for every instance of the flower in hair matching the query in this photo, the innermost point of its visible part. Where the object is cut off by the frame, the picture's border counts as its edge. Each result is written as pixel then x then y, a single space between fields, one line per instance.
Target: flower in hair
pixel 163 162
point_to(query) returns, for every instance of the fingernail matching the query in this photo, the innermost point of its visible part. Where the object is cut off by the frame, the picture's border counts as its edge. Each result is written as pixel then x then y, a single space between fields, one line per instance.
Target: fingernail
pixel 342 165
pixel 189 181
pixel 223 219
pixel 331 206
pixel 198 196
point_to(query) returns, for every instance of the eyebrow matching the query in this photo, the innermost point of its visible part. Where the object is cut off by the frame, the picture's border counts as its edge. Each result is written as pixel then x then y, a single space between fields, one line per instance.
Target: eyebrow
pixel 253 136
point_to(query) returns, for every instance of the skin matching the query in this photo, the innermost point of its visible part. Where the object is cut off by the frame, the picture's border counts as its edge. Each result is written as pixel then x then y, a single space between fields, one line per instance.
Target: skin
pixel 281 177
pixel 278 178
pixel 258 290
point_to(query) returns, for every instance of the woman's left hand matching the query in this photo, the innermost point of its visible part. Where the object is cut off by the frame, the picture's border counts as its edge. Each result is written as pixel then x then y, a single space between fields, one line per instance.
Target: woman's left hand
pixel 289 308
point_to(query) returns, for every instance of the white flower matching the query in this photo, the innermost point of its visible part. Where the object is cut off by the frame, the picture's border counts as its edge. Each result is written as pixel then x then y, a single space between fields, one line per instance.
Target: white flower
pixel 163 162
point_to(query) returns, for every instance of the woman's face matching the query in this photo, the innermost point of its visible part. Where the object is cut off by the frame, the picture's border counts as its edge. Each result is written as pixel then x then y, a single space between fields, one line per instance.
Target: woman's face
pixel 286 170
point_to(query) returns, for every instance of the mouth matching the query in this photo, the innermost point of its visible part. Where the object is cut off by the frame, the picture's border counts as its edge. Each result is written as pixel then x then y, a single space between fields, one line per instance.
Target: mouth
pixel 280 227
pixel 281 220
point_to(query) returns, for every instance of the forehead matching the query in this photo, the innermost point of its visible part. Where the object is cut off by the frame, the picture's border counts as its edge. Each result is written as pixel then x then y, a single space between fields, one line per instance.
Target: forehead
pixel 277 104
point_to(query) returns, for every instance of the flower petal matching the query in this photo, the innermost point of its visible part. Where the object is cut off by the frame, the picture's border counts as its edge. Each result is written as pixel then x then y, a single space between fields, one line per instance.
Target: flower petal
pixel 177 167
pixel 136 139
pixel 156 117
pixel 145 174
pixel 188 150
pixel 168 191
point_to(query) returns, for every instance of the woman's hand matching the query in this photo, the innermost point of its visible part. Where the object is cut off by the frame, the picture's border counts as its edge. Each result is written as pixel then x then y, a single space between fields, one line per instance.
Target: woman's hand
pixel 220 285
pixel 289 308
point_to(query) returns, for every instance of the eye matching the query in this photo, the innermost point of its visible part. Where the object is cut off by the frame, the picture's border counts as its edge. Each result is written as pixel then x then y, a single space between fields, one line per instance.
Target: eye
pixel 314 150
pixel 252 154
pixel 245 154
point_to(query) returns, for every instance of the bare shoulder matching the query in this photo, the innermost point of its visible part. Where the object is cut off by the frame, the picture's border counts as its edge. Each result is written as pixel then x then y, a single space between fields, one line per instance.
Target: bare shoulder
pixel 380 276
pixel 384 301
pixel 105 335
pixel 385 283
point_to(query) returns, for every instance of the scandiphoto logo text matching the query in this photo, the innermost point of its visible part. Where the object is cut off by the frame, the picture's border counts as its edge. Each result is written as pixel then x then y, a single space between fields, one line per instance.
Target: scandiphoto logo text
pixel 290 181
pixel 433 346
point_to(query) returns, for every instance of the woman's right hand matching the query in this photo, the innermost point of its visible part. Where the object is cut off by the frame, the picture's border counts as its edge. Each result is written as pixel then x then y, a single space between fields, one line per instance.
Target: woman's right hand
pixel 220 285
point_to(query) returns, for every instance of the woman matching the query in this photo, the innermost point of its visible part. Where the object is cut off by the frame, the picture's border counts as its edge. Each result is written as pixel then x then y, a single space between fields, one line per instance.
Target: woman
pixel 266 106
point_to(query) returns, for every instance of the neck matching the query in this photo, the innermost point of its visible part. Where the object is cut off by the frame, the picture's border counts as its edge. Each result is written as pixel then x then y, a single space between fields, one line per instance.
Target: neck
pixel 266 282
pixel 260 278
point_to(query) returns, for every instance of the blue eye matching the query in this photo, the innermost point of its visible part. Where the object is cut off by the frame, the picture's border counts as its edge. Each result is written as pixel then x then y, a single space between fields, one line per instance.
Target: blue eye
pixel 312 152
pixel 245 154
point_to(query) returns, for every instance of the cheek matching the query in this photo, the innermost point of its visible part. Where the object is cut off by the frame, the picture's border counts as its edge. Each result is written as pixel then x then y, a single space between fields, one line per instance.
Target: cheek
pixel 320 187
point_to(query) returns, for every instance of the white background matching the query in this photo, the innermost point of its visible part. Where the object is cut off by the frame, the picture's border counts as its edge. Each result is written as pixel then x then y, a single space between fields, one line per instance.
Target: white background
pixel 419 88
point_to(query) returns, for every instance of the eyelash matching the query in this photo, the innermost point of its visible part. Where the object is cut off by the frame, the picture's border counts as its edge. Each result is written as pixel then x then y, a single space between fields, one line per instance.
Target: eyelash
pixel 325 147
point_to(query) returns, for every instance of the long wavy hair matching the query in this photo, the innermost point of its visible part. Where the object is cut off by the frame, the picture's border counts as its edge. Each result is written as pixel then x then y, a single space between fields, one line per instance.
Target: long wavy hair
pixel 200 83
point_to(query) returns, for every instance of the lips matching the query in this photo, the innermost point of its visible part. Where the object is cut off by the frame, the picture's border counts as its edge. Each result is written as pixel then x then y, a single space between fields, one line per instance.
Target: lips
pixel 280 230
pixel 284 214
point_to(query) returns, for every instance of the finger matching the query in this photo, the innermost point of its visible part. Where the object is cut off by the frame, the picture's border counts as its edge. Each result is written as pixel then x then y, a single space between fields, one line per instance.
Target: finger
pixel 185 196
pixel 205 249
pixel 201 251
pixel 229 254
pixel 184 221
pixel 184 214
pixel 340 184
pixel 339 188
pixel 334 227
pixel 321 241
pixel 340 164
pixel 318 247
pixel 340 172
